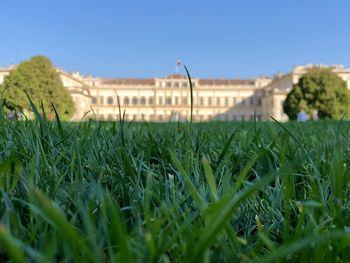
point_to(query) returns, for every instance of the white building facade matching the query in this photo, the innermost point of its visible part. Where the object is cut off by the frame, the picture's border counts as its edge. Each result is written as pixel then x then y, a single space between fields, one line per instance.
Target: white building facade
pixel 168 98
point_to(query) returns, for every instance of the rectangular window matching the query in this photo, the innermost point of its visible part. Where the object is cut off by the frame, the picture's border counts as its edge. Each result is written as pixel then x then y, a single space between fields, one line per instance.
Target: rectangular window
pixel 150 101
pixel 168 84
pixel 226 101
pixel 218 101
pixel 101 100
pixel 168 101
pixel 160 100
pixel 176 100
pixel 184 100
pixel 209 101
pixel 184 84
pixel 176 84
pixel 109 100
pixel 201 101
pixel 93 100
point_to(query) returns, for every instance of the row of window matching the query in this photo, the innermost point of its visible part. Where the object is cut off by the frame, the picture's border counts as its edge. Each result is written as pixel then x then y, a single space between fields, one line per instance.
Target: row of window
pixel 225 117
pixel 173 84
pixel 210 101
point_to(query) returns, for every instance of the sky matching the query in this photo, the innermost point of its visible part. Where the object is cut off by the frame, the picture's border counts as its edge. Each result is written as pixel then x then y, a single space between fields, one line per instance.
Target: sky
pixel 214 39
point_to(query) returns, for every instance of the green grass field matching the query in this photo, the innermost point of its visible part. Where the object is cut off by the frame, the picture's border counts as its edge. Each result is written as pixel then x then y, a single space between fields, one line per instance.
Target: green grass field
pixel 174 192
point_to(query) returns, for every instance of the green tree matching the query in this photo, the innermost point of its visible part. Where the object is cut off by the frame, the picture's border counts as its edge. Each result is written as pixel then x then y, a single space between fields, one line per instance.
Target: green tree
pixel 319 89
pixel 39 78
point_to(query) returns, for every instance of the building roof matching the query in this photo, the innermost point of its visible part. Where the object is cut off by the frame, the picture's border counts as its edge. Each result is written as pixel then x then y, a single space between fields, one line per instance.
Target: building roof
pixel 127 81
pixel 208 82
pixel 4 70
pixel 225 82
pixel 176 76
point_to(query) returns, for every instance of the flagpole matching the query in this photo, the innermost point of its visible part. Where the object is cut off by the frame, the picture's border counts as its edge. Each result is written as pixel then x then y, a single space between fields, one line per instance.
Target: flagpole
pixel 178 64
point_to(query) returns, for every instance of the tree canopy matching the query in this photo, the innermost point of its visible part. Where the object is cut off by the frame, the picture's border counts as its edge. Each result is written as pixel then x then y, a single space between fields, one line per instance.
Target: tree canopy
pixel 39 78
pixel 321 90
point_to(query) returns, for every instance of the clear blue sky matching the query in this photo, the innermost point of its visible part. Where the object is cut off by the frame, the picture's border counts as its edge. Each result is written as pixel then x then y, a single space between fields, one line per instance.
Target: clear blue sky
pixel 134 38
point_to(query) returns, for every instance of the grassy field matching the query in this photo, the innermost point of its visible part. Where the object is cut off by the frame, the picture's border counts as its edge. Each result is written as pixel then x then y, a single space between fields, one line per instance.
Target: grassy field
pixel 174 192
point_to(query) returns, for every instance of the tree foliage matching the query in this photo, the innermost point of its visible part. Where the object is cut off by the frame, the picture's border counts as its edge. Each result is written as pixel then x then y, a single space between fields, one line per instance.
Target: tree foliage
pixel 39 79
pixel 319 89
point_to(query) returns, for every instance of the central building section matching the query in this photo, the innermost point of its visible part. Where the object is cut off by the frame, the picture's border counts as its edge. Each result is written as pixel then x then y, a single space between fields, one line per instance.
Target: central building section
pixel 168 98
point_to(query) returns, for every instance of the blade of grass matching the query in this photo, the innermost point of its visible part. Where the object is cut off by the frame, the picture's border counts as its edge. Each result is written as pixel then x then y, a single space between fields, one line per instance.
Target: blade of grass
pixel 59 125
pixel 12 246
pixel 221 212
pixel 191 92
pixel 208 172
pixel 317 172
pixel 76 243
pixel 188 182
pixel 288 249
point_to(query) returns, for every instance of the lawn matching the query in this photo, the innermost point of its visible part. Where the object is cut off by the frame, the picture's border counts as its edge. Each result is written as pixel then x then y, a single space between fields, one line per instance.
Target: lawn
pixel 174 192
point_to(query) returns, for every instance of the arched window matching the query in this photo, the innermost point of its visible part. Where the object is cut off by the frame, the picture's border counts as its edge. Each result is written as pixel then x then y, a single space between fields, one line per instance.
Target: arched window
pixel 143 100
pixel 126 100
pixel 134 101
pixel 109 100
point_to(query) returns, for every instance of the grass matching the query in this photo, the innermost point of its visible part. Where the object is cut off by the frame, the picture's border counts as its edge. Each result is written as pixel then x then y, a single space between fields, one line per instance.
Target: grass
pixel 174 192
pixel 145 192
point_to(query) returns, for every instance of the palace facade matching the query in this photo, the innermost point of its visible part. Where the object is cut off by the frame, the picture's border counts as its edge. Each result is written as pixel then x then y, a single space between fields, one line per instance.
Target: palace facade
pixel 168 98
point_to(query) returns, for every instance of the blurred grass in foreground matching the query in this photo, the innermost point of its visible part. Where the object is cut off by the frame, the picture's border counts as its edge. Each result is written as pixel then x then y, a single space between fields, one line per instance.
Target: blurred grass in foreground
pixel 146 192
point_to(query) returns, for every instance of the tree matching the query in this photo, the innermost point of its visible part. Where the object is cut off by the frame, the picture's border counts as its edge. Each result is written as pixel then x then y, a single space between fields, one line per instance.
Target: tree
pixel 39 78
pixel 319 89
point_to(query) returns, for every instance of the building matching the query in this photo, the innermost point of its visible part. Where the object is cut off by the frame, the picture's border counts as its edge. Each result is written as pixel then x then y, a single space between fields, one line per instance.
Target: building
pixel 168 98
pixel 276 91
